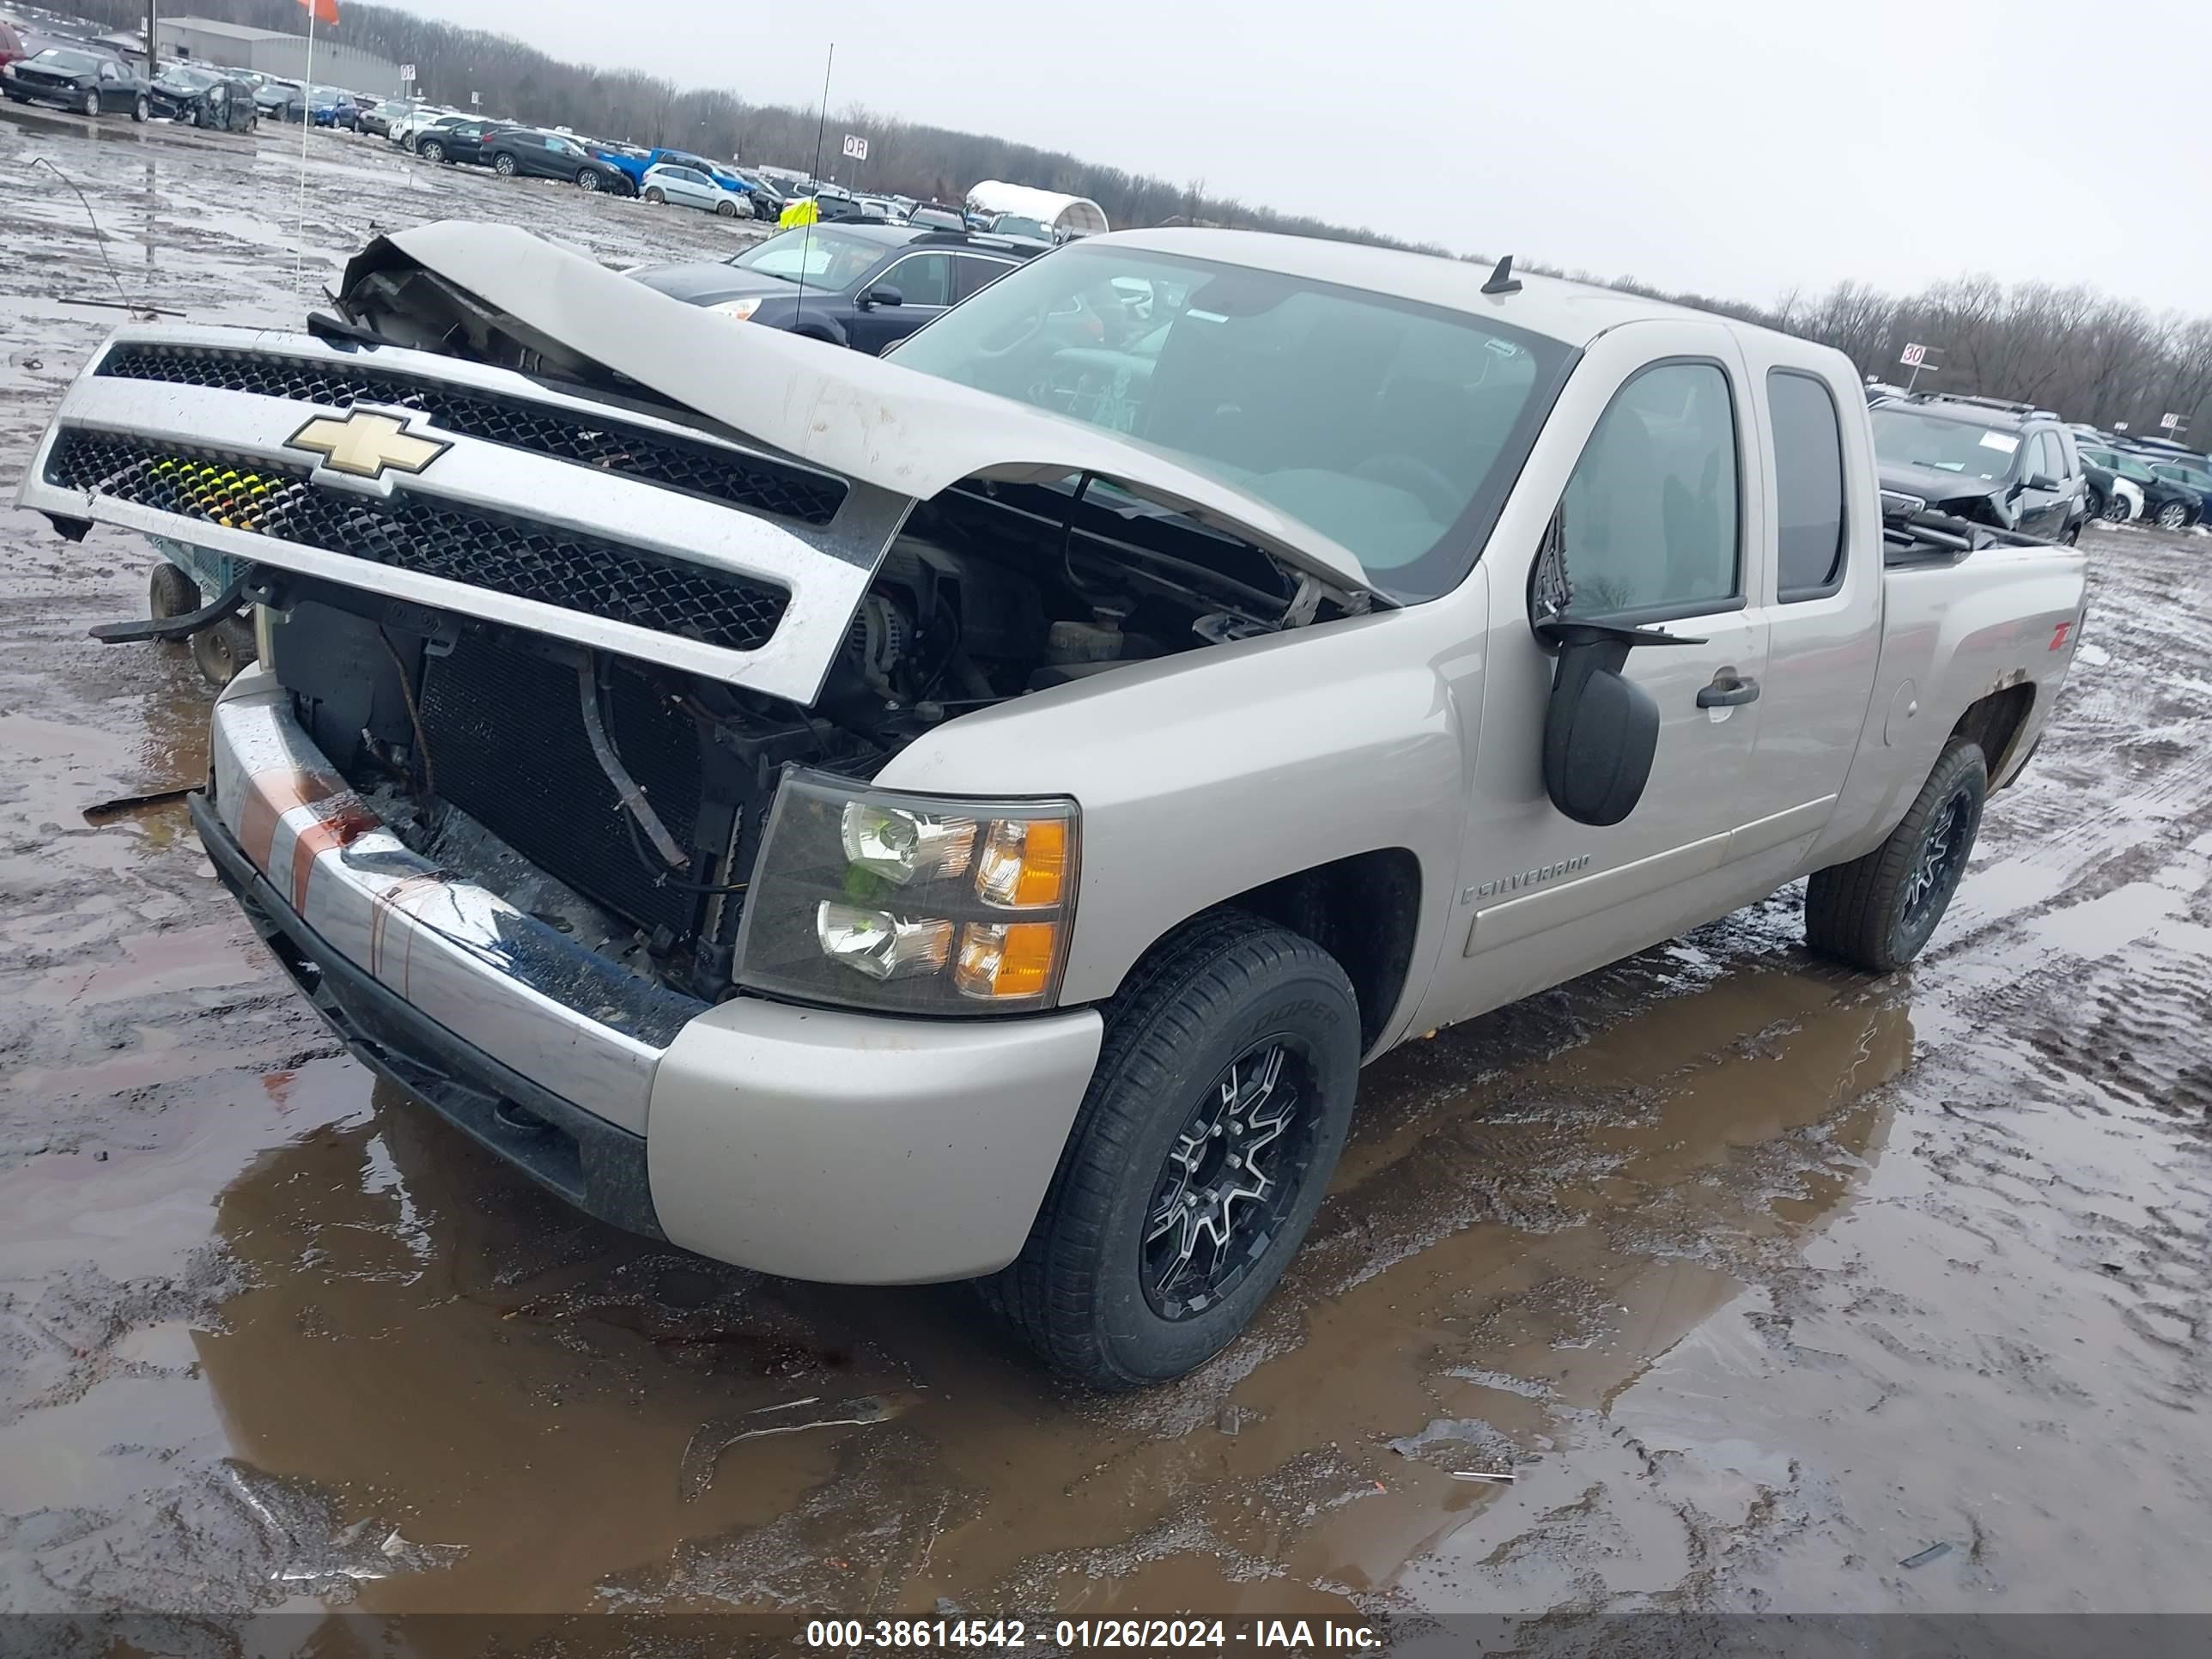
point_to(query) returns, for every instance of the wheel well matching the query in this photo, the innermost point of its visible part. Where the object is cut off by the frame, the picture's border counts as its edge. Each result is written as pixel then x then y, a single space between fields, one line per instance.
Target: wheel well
pixel 1994 722
pixel 1364 910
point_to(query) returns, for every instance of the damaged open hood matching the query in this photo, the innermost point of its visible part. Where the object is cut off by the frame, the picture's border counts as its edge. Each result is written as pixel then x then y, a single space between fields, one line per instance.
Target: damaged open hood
pixel 861 416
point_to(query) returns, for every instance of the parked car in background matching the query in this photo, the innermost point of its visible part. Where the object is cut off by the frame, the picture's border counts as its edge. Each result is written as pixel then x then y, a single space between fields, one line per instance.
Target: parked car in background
pixel 462 142
pixel 2157 500
pixel 1016 224
pixel 2194 476
pixel 333 106
pixel 11 46
pixel 408 127
pixel 87 79
pixel 2113 497
pixel 2002 464
pixel 688 187
pixel 532 153
pixel 865 286
pixel 376 119
pixel 768 200
pixel 279 101
pixel 933 218
pixel 204 98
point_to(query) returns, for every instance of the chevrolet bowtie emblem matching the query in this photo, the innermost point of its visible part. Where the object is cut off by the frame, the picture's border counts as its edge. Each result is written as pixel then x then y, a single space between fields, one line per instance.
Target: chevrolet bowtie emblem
pixel 363 445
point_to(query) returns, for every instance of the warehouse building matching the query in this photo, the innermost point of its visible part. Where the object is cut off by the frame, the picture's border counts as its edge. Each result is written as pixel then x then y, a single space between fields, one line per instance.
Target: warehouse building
pixel 271 51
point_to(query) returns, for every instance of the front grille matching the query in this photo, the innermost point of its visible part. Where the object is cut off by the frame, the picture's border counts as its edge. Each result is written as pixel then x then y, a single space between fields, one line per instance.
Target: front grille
pixel 505 731
pixel 413 533
pixel 697 469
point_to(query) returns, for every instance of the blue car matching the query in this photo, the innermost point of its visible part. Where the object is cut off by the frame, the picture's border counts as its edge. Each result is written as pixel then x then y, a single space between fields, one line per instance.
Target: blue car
pixel 330 107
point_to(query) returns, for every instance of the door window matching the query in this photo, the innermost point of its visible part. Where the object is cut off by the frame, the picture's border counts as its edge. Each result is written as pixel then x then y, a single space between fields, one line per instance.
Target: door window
pixel 2045 462
pixel 109 72
pixel 1649 520
pixel 972 274
pixel 1809 481
pixel 922 279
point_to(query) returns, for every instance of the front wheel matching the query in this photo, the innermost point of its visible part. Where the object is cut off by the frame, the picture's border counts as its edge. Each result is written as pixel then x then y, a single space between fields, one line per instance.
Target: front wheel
pixel 726 210
pixel 1200 1153
pixel 170 591
pixel 223 649
pixel 91 105
pixel 1877 911
pixel 433 152
pixel 587 179
pixel 2172 516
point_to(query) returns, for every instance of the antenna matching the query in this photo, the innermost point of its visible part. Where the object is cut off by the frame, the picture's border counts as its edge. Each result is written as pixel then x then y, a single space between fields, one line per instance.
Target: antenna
pixel 1501 280
pixel 821 123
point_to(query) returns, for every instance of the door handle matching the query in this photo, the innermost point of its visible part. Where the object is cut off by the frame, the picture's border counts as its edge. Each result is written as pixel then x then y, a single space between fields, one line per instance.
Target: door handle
pixel 1728 690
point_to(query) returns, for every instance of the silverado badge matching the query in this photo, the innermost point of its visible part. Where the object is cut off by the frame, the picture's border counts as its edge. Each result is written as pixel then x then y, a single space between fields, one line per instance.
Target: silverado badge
pixel 363 445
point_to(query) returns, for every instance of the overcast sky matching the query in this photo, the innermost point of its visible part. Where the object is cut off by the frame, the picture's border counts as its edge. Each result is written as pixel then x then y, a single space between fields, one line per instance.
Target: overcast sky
pixel 1737 148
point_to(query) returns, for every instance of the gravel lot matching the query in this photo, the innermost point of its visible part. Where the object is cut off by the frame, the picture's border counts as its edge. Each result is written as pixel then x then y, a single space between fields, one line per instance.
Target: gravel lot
pixel 1764 1277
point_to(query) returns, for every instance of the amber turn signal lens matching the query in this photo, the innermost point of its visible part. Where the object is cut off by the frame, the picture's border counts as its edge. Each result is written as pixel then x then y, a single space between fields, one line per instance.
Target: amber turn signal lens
pixel 1006 959
pixel 1023 865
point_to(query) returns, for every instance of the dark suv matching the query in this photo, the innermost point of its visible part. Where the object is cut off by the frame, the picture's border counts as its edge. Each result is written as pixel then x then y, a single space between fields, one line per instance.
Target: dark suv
pixel 2011 465
pixel 865 285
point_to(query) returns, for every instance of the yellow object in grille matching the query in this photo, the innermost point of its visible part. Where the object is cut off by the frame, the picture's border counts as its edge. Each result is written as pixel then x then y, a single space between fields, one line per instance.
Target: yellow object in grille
pixel 222 495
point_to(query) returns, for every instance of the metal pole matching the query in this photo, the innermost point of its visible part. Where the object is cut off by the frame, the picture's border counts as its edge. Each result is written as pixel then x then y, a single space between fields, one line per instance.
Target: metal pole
pixel 306 125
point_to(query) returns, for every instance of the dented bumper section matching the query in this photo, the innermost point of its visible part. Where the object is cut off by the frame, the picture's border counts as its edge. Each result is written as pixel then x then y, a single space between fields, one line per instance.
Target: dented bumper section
pixel 800 1141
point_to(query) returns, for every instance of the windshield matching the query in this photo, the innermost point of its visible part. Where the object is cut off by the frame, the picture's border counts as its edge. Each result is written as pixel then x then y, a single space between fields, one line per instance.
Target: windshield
pixel 1395 428
pixel 1905 438
pixel 69 63
pixel 191 80
pixel 828 256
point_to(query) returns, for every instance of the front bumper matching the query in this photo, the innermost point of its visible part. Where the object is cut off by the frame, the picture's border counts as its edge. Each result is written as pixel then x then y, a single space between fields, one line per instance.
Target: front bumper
pixel 797 1142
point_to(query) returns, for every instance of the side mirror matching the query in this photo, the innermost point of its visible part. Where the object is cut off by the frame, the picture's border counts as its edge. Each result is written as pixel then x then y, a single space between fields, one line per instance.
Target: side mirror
pixel 1600 729
pixel 882 295
pixel 2041 481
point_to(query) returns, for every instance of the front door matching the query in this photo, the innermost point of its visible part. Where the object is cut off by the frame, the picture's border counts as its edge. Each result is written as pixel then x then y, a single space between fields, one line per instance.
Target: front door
pixel 924 282
pixel 1652 518
pixel 2044 501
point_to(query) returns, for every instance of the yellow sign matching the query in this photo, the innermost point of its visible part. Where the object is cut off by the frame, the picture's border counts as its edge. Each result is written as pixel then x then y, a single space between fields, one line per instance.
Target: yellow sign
pixel 363 445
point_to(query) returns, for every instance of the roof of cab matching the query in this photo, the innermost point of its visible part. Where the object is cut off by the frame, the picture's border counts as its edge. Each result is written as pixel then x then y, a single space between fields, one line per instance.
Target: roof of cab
pixel 1575 313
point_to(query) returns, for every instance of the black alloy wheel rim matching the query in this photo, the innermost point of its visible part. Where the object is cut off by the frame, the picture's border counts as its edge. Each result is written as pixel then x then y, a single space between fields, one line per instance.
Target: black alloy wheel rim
pixel 1937 866
pixel 1232 1175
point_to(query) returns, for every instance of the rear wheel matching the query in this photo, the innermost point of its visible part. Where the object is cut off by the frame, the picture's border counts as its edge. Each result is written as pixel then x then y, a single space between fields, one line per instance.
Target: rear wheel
pixel 1202 1149
pixel 503 164
pixel 1877 912
pixel 2172 516
pixel 223 648
pixel 653 194
pixel 140 108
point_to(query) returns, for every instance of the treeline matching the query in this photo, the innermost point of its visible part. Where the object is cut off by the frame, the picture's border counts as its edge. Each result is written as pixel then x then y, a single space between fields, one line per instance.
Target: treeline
pixel 2089 355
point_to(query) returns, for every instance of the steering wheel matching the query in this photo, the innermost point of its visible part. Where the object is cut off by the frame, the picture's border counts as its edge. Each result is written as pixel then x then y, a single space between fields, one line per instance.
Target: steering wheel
pixel 1435 489
pixel 1024 332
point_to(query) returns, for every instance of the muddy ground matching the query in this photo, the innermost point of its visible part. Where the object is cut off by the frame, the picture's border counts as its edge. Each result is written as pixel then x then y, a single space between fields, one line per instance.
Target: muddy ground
pixel 1764 1277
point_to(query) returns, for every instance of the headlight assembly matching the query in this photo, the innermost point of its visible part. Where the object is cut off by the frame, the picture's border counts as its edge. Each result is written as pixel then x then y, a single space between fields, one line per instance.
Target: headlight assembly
pixel 916 905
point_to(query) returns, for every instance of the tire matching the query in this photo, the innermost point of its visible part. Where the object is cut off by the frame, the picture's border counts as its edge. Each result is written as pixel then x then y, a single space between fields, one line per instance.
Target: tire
pixel 1877 912
pixel 503 164
pixel 91 105
pixel 653 194
pixel 140 108
pixel 1096 1297
pixel 171 592
pixel 2111 508
pixel 726 210
pixel 587 179
pixel 433 152
pixel 2172 516
pixel 222 649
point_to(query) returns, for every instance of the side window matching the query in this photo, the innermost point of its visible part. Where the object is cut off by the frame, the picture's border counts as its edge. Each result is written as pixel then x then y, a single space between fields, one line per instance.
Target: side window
pixel 924 279
pixel 1808 482
pixel 109 72
pixel 971 274
pixel 2046 462
pixel 1649 518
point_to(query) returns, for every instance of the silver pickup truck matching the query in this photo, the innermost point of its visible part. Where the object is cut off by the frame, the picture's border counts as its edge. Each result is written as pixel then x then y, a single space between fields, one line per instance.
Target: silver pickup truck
pixel 971 815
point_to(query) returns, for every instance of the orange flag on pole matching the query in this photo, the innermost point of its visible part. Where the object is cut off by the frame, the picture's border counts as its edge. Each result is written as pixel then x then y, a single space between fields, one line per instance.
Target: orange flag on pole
pixel 325 11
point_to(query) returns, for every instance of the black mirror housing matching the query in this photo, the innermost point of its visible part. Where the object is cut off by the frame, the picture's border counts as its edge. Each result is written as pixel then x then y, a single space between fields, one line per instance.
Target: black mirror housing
pixel 882 294
pixel 1601 728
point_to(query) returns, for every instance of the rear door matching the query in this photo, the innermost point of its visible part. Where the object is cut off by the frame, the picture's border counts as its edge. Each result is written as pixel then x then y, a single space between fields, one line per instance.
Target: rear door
pixel 1652 463
pixel 973 272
